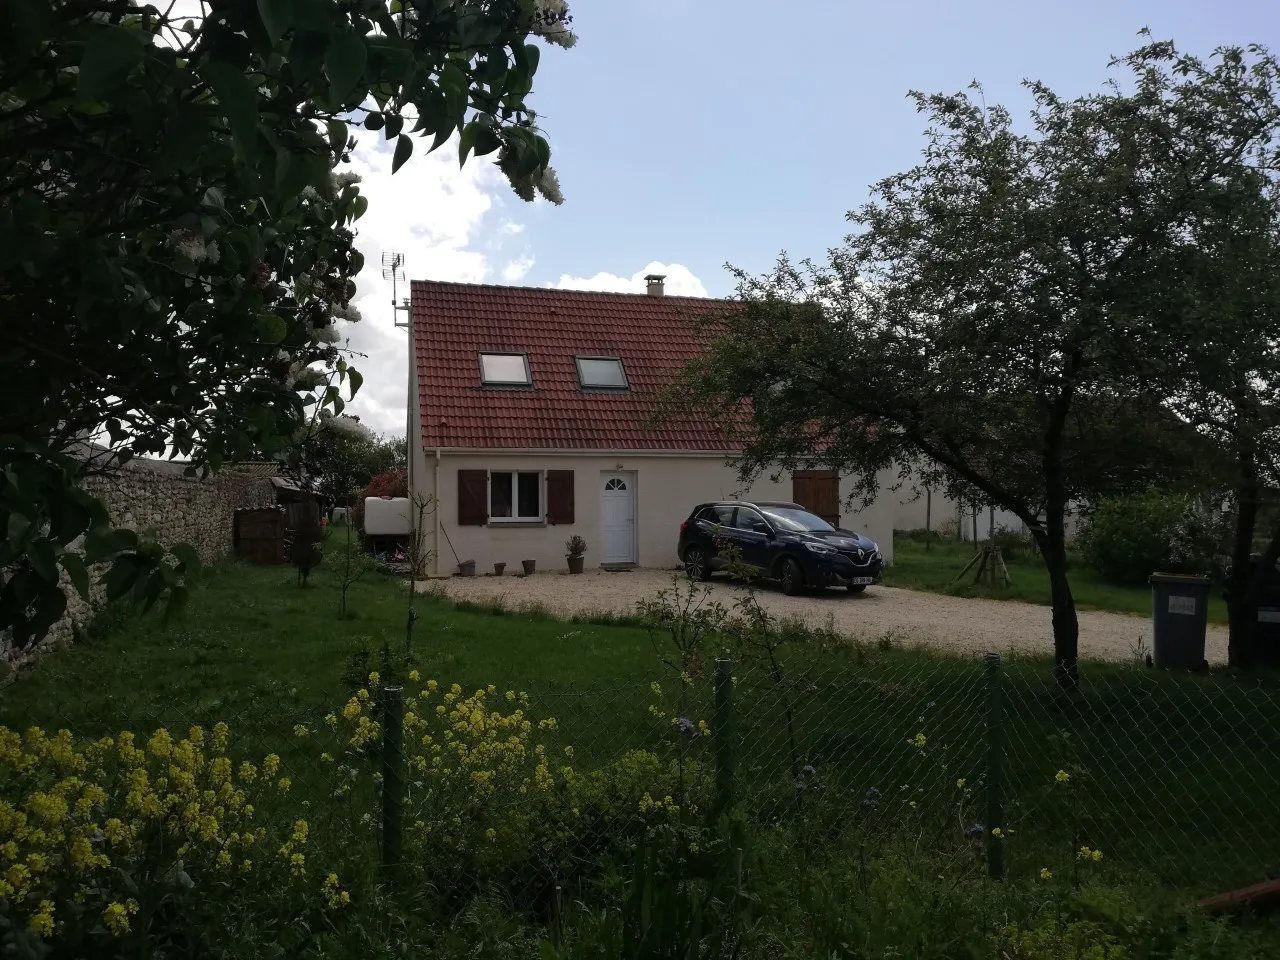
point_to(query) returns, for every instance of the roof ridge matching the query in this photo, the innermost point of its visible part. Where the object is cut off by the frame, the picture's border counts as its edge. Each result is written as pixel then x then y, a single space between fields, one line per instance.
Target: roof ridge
pixel 560 291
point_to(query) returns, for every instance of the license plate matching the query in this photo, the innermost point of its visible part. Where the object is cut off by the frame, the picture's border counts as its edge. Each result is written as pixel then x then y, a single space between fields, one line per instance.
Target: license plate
pixel 862 581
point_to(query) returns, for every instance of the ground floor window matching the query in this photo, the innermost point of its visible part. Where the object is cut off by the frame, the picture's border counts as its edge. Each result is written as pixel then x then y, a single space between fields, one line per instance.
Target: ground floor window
pixel 515 495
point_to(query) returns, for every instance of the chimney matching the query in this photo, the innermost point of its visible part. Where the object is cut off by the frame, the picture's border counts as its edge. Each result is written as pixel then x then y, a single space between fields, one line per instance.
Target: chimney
pixel 653 284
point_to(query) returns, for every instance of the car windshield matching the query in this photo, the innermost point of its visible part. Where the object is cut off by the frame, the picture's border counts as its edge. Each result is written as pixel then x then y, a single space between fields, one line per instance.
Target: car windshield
pixel 797 520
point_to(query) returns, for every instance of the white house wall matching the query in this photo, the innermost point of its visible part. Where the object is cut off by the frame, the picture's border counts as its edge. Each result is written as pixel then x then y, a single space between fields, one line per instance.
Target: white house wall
pixel 666 489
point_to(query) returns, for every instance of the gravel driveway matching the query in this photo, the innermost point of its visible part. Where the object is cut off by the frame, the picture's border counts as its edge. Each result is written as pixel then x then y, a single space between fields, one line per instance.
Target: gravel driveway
pixel 949 623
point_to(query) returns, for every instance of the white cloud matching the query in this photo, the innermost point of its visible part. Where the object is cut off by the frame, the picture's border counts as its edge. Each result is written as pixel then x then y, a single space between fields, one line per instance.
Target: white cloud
pixel 516 270
pixel 440 219
pixel 680 281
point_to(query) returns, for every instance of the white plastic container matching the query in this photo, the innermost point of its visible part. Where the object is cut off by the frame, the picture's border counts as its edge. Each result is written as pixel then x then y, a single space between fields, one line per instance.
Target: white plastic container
pixel 386 516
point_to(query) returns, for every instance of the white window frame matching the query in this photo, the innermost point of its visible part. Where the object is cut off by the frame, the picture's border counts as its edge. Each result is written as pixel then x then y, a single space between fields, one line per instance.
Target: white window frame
pixel 515 497
pixel 524 357
pixel 612 387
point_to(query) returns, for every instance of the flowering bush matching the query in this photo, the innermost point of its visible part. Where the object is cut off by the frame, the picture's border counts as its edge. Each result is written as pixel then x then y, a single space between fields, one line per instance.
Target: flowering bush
pixel 104 839
pixel 493 794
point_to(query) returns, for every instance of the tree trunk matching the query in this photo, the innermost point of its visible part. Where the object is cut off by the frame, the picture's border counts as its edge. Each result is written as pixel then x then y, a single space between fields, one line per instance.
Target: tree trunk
pixel 1239 583
pixel 1052 541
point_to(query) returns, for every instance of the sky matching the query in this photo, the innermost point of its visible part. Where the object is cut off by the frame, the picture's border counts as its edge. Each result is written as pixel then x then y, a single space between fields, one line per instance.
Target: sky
pixel 691 134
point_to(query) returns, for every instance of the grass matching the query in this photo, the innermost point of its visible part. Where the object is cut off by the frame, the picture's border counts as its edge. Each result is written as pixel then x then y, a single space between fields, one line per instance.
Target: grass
pixel 1173 776
pixel 935 570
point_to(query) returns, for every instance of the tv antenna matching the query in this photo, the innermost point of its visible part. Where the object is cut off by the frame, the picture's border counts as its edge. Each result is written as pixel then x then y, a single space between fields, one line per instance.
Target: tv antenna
pixel 393 270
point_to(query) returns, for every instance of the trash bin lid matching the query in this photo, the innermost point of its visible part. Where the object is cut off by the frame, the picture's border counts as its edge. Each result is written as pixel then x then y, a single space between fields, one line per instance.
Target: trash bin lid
pixel 1189 579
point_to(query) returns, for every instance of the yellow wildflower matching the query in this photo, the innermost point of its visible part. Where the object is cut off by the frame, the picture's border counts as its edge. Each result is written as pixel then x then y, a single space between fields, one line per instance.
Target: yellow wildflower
pixel 1046 873
pixel 270 765
pixel 160 744
pixel 41 922
pixel 1062 776
pixel 221 734
pixel 491 834
pixel 414 676
pixel 375 678
pixel 116 916
pixel 301 730
pixel 997 832
pixel 284 784
pixel 918 741
pixel 248 772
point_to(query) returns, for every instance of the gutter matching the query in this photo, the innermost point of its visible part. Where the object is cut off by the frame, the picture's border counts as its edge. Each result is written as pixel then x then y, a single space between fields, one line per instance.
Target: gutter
pixel 435 532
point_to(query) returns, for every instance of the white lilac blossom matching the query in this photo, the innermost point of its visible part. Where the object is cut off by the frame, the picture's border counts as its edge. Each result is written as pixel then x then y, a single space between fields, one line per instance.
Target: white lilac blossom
pixel 550 22
pixel 189 245
pixel 345 179
pixel 349 427
pixel 345 311
pixel 548 185
pixel 326 334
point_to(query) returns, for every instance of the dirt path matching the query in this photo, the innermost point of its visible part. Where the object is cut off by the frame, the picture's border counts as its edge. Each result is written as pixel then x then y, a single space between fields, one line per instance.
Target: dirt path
pixel 949 623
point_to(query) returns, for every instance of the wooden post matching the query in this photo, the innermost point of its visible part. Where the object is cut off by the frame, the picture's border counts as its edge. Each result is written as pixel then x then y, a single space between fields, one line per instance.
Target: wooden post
pixel 928 517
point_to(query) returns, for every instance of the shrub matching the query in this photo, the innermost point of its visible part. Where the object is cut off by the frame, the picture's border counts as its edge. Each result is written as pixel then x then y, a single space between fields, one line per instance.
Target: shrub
pixel 105 846
pixel 494 796
pixel 1126 539
pixel 1014 544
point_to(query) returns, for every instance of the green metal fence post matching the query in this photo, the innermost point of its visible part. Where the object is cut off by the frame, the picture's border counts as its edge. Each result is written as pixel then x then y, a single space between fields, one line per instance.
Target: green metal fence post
pixel 724 733
pixel 392 777
pixel 995 756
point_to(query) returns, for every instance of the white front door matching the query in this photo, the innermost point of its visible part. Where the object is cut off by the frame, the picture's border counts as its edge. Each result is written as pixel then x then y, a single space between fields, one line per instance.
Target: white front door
pixel 617 518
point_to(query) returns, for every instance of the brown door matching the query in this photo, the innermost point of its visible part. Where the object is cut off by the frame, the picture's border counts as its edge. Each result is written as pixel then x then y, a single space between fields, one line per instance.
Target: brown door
pixel 818 491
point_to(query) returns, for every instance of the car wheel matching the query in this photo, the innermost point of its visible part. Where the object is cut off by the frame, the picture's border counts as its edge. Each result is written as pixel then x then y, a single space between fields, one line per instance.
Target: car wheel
pixel 696 565
pixel 790 576
pixel 857 587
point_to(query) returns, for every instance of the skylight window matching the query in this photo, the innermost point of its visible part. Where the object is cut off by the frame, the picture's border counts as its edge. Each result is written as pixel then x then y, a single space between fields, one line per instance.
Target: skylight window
pixel 601 373
pixel 505 370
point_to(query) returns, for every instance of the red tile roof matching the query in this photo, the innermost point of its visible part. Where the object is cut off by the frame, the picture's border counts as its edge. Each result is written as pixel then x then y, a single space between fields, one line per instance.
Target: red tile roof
pixel 454 322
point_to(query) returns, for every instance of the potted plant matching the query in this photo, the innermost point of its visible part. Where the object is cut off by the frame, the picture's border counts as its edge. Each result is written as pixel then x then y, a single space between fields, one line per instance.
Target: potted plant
pixel 529 567
pixel 498 568
pixel 575 547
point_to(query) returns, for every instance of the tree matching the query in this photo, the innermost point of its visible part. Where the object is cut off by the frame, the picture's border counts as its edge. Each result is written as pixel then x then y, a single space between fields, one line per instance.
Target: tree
pixel 174 244
pixel 1229 386
pixel 1000 316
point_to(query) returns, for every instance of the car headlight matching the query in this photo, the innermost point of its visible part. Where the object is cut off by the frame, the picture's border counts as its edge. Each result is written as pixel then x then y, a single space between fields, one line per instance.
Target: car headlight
pixel 819 547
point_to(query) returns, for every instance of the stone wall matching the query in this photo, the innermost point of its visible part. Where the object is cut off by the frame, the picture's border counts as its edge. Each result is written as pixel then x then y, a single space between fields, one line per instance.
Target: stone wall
pixel 153 496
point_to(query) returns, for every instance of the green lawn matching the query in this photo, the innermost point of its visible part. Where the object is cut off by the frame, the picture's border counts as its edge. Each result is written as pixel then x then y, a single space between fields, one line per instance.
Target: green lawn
pixel 1175 775
pixel 937 568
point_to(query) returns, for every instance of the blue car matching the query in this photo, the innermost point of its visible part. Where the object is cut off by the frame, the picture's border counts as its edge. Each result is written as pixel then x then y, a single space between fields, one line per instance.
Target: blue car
pixel 778 541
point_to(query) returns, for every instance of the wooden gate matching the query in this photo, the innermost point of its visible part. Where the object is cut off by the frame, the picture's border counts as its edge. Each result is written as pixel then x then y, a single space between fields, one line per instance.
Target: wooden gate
pixel 818 491
pixel 259 535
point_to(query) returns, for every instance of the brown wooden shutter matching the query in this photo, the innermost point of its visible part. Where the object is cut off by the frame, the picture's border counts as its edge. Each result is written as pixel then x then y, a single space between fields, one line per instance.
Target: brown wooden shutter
pixel 818 491
pixel 473 498
pixel 559 496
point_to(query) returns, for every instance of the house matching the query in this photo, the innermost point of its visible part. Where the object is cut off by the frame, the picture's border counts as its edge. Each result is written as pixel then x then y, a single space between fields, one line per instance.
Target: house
pixel 533 422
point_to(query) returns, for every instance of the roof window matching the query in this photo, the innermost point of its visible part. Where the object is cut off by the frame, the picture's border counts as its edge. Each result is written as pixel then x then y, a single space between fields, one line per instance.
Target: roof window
pixel 505 370
pixel 601 373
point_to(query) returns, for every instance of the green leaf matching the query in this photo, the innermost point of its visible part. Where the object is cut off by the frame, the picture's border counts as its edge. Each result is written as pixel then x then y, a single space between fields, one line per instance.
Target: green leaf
pixel 404 149
pixel 239 101
pixel 486 141
pixel 360 205
pixel 344 62
pixel 337 135
pixel 357 380
pixel 467 141
pixel 187 557
pixel 374 120
pixel 43 560
pixel 395 123
pixel 111 51
pixel 176 604
pixel 185 133
pixel 272 327
pixel 104 544
pixel 276 16
pixel 73 563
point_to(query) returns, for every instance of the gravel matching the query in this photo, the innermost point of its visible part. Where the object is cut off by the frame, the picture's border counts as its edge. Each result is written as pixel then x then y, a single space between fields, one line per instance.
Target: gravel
pixel 955 624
